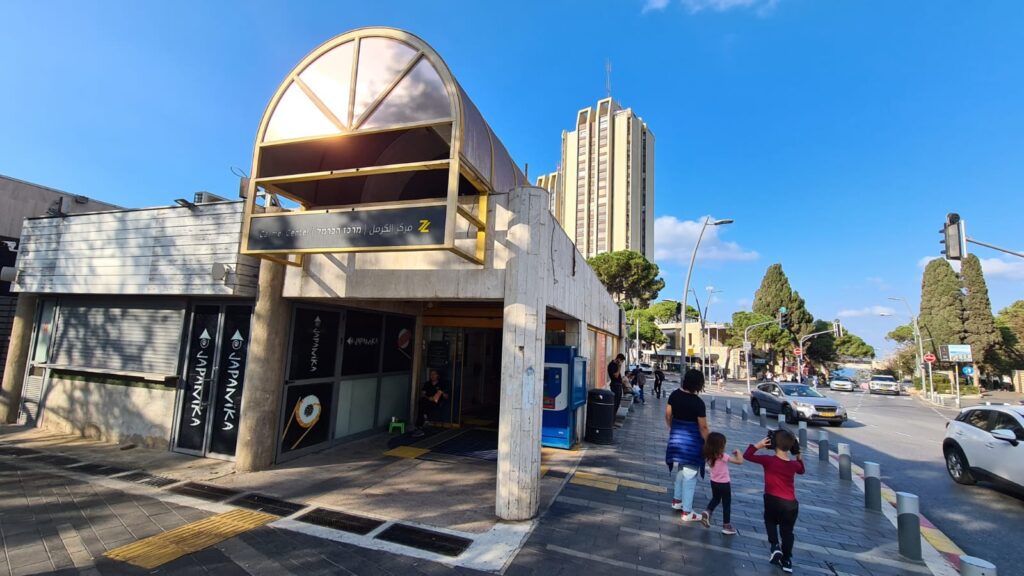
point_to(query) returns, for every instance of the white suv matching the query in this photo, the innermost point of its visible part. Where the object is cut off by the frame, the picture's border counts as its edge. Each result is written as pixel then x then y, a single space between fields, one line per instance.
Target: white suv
pixel 985 442
pixel 882 384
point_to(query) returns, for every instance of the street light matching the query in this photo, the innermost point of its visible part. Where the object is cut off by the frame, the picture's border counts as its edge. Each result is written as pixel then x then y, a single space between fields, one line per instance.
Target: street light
pixel 705 334
pixel 689 272
pixel 917 338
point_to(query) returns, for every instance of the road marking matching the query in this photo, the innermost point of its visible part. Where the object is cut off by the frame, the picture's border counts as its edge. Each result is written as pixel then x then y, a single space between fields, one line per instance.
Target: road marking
pixel 612 483
pixel 158 550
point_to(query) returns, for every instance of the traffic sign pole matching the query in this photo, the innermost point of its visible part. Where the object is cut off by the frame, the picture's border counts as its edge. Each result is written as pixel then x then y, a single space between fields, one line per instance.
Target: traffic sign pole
pixel 929 359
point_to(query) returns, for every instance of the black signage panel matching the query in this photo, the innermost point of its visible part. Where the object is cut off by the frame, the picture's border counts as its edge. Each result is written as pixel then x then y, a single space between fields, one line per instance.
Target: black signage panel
pixel 308 419
pixel 398 343
pixel 314 344
pixel 361 345
pixel 197 383
pixel 383 228
pixel 233 350
pixel 438 354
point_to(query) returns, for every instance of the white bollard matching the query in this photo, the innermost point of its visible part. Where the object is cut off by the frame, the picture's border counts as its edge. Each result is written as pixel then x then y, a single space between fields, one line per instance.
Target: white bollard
pixel 971 566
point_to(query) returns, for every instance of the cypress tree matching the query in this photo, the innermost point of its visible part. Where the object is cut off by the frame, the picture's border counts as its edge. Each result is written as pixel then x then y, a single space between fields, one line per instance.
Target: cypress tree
pixel 979 326
pixel 942 306
pixel 774 293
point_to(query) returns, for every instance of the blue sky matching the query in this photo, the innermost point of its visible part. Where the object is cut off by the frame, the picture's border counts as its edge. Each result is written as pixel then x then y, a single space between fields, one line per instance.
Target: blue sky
pixel 837 134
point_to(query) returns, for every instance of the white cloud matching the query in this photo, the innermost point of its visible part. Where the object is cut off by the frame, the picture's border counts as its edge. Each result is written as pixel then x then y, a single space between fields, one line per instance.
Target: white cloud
pixel 763 7
pixel 868 311
pixel 674 240
pixel 1002 269
pixel 654 5
pixel 879 283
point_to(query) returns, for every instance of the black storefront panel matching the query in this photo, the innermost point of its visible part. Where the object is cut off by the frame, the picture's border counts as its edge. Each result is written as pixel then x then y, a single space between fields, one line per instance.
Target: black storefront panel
pixel 194 409
pixel 307 418
pixel 314 344
pixel 233 354
pixel 362 344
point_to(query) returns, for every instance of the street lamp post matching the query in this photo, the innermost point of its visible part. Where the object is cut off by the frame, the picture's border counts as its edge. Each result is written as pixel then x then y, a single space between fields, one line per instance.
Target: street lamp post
pixel 917 336
pixel 705 335
pixel 689 273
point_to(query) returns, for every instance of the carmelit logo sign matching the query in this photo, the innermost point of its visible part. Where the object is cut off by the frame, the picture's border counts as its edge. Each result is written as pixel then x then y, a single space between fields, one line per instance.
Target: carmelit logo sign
pixel 414 226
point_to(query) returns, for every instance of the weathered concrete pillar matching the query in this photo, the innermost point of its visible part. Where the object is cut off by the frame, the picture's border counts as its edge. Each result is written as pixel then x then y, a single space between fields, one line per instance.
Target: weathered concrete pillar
pixel 264 372
pixel 17 357
pixel 527 279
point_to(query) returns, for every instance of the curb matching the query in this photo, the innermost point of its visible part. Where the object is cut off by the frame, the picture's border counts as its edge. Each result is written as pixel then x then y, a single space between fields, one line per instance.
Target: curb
pixel 941 554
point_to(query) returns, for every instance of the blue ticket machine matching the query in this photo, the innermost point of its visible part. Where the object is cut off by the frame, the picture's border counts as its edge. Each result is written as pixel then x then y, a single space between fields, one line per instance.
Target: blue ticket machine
pixel 565 391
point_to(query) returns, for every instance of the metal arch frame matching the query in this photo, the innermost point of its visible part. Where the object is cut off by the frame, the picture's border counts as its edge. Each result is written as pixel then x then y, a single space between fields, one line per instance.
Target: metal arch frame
pixel 456 164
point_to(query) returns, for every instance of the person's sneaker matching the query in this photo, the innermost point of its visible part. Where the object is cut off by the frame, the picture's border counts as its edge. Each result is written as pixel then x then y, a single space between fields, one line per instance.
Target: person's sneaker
pixel 690 517
pixel 787 565
pixel 677 504
pixel 705 519
pixel 776 555
pixel 728 530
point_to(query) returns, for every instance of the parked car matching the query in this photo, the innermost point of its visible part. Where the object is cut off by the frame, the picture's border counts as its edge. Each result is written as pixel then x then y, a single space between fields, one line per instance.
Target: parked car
pixel 797 402
pixel 644 367
pixel 985 442
pixel 841 384
pixel 883 384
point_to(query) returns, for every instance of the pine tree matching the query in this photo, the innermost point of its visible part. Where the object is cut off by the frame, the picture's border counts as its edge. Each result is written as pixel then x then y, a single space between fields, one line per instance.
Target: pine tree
pixel 774 293
pixel 979 326
pixel 942 307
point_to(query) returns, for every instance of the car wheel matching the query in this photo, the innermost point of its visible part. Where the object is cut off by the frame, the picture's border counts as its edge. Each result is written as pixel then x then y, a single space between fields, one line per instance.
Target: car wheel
pixel 755 406
pixel 958 467
pixel 788 413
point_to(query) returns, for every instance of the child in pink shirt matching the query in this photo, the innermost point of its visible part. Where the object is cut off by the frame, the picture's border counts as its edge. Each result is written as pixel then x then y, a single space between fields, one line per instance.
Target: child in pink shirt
pixel 721 491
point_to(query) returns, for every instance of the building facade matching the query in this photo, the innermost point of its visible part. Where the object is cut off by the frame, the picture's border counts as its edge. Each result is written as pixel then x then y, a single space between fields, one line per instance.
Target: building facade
pixel 605 183
pixel 256 333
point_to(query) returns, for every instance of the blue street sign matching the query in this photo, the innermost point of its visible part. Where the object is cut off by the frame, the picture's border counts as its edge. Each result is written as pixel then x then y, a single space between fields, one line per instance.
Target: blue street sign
pixel 967 370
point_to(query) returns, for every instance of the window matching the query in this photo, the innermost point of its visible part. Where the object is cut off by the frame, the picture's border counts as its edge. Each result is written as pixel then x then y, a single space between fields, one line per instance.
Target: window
pixel 1004 421
pixel 979 419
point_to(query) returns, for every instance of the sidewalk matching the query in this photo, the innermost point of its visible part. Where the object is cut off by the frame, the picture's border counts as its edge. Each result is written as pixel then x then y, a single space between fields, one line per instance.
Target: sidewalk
pixel 614 515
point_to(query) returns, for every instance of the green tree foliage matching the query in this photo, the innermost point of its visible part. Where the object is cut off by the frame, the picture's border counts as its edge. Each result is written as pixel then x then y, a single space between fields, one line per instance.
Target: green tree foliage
pixel 821 349
pixel 650 334
pixel 942 306
pixel 853 346
pixel 1009 354
pixel 770 336
pixel 668 311
pixel 628 276
pixel 902 335
pixel 979 326
pixel 774 293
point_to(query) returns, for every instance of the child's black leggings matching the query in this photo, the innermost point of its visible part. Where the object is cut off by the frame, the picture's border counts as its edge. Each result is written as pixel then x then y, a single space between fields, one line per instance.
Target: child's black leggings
pixel 721 492
pixel 779 519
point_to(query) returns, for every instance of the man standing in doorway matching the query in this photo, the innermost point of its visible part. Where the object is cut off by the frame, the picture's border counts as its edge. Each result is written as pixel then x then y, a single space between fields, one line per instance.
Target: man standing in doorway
pixel 615 379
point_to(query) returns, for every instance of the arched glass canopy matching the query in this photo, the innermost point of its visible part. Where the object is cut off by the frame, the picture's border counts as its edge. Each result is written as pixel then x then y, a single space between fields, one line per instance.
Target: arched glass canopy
pixel 374 120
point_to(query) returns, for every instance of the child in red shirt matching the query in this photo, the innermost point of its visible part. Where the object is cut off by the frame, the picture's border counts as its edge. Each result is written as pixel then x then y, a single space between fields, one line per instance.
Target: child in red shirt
pixel 780 505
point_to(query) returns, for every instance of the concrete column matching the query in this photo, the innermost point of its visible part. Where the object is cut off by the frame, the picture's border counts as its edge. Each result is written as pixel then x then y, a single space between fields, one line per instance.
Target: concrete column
pixel 264 374
pixel 17 357
pixel 527 278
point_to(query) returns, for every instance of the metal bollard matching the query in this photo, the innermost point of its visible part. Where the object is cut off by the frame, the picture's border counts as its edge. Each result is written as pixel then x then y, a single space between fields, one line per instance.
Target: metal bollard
pixel 971 566
pixel 873 486
pixel 802 434
pixel 728 406
pixel 908 525
pixel 782 421
pixel 745 412
pixel 712 402
pixel 822 446
pixel 845 469
pixel 764 417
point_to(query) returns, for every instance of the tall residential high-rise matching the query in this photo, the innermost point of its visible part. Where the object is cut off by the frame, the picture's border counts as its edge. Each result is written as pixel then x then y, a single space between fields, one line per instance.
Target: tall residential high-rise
pixel 603 192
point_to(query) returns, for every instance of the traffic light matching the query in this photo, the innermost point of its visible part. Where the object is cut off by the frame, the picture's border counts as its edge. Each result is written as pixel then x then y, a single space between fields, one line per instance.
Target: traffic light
pixel 953 237
pixel 837 329
pixel 783 318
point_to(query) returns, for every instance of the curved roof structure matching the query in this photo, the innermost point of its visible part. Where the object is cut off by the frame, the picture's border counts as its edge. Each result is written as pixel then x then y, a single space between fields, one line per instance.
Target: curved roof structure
pixel 375 115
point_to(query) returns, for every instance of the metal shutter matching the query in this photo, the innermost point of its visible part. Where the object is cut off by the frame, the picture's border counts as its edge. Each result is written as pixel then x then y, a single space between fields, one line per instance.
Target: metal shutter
pixel 129 334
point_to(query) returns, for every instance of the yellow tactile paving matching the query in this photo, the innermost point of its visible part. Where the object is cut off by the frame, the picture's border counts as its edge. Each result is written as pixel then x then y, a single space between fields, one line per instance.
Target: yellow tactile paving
pixel 406 452
pixel 589 479
pixel 940 541
pixel 594 484
pixel 157 550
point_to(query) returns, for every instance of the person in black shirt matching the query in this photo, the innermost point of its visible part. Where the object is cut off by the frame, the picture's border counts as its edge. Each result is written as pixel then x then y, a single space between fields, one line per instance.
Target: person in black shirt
pixel 659 377
pixel 430 398
pixel 615 378
pixel 686 418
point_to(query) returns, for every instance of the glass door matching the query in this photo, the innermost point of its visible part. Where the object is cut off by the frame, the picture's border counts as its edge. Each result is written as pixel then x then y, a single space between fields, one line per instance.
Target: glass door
pixel 36 372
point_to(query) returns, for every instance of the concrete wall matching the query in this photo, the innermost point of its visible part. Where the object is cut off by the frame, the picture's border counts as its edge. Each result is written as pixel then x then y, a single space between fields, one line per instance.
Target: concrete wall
pixel 572 287
pixel 111 412
pixel 20 200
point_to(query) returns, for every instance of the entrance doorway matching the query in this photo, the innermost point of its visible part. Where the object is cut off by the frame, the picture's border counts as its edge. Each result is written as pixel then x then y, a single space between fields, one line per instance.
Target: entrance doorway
pixel 469 363
pixel 210 392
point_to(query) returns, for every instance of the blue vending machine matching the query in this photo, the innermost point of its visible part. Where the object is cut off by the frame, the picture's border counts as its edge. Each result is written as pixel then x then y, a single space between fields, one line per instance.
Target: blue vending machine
pixel 565 391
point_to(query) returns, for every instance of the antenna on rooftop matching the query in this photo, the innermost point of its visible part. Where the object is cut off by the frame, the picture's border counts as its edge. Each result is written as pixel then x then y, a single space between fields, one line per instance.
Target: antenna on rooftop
pixel 608 76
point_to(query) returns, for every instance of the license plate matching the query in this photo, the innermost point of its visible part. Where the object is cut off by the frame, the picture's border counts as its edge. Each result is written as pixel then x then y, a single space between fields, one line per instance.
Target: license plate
pixel 827 414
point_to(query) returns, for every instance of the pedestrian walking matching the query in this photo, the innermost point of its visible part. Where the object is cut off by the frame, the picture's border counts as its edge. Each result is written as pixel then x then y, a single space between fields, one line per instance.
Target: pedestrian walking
pixel 659 377
pixel 639 381
pixel 686 417
pixel 615 379
pixel 780 505
pixel 721 488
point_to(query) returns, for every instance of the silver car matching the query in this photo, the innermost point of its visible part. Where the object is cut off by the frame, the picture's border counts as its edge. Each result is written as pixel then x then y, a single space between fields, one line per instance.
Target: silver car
pixel 797 402
pixel 841 384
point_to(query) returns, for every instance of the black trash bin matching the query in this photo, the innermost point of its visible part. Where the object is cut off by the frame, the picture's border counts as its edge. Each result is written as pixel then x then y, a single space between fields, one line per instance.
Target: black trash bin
pixel 600 416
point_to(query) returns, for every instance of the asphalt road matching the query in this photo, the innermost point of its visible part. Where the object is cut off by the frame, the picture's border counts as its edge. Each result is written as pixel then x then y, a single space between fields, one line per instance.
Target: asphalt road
pixel 905 435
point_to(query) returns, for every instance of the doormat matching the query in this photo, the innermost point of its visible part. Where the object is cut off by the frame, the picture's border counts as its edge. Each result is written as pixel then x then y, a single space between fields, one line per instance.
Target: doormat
pixel 147 479
pixel 204 491
pixel 340 521
pixel 268 505
pixel 473 443
pixel 408 439
pixel 95 469
pixel 57 459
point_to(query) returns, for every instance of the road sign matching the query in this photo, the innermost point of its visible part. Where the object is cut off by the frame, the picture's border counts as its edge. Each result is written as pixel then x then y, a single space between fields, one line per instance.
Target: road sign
pixel 798 351
pixel 747 346
pixel 955 353
pixel 929 358
pixel 967 370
